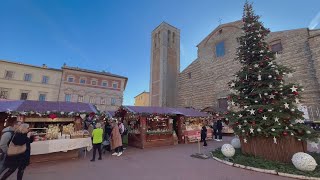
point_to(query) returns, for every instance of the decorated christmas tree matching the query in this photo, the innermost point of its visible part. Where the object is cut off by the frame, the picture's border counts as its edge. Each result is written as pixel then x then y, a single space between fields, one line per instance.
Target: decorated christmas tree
pixel 261 104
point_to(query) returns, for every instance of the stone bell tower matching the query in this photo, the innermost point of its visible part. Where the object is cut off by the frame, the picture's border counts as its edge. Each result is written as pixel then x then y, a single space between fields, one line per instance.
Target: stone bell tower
pixel 165 65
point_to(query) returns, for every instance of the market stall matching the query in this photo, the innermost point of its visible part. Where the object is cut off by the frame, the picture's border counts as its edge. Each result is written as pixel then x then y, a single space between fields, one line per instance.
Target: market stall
pixel 56 127
pixel 148 126
pixel 190 123
pixel 218 113
pixel 159 126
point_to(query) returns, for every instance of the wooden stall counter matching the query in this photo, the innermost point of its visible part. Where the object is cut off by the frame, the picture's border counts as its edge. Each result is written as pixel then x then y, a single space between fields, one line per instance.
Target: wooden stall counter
pixel 58 149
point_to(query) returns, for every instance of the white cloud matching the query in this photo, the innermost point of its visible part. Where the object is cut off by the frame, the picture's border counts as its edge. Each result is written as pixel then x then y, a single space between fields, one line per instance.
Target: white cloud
pixel 315 21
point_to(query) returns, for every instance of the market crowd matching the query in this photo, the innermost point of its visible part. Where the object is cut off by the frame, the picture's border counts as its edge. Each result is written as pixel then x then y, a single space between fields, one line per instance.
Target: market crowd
pixel 106 136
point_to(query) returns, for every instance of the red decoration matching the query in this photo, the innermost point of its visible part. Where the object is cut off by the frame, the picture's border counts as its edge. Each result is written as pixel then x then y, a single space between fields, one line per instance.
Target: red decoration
pixel 52 116
pixel 260 110
pixel 285 133
pixel 261 63
pixel 295 93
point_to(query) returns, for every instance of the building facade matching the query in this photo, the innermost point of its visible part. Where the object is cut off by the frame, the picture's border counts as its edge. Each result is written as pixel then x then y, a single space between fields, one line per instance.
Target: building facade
pixel 142 99
pixel 26 82
pixel 204 82
pixel 103 89
pixel 165 65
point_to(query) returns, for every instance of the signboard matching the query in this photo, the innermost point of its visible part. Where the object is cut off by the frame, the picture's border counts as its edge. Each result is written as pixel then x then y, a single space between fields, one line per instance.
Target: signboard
pixel 49 120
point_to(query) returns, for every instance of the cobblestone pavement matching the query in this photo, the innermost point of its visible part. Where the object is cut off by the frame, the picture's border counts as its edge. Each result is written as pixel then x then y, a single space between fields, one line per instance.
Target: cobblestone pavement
pixel 164 163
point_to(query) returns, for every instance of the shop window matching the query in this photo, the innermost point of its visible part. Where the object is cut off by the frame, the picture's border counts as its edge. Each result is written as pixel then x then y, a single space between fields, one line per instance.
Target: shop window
pixel 24 96
pixel 68 97
pixel 45 79
pixel 223 104
pixel 42 97
pixel 27 77
pixel 220 51
pixel 9 74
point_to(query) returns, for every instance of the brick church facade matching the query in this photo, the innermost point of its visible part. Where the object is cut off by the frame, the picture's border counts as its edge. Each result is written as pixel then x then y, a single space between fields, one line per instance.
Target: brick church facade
pixel 204 82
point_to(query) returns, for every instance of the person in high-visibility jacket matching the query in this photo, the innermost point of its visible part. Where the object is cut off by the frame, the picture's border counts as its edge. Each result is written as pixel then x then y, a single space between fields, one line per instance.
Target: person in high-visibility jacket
pixel 97 137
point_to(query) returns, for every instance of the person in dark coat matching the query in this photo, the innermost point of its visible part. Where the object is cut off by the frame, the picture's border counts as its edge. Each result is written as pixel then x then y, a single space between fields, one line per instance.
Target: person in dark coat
pixel 204 135
pixel 20 161
pixel 219 129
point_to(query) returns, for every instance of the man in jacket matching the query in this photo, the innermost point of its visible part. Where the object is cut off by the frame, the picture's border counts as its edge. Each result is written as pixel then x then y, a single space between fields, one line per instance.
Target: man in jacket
pixel 219 129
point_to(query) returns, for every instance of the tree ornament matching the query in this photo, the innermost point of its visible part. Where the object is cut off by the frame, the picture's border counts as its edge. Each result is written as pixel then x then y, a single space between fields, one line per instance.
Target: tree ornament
pixel 260 110
pixel 269 76
pixel 286 105
pixel 304 162
pixel 274 140
pixel 273 129
pixel 264 117
pixel 236 143
pixel 294 89
pixel 252 112
pixel 285 133
pixel 276 119
pixel 228 150
pixel 271 96
pixel 259 130
pixel 259 77
pixel 295 93
pixel 245 140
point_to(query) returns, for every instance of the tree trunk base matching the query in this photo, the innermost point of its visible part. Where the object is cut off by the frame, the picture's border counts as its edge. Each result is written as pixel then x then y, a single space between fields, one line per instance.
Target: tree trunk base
pixel 265 148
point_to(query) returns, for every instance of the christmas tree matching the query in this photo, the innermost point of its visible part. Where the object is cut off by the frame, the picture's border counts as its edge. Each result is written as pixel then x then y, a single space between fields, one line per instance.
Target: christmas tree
pixel 263 105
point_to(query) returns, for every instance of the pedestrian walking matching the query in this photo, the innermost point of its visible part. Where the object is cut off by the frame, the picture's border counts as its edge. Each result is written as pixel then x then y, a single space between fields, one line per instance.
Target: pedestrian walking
pixel 97 137
pixel 116 140
pixel 19 149
pixel 219 129
pixel 7 134
pixel 215 130
pixel 204 135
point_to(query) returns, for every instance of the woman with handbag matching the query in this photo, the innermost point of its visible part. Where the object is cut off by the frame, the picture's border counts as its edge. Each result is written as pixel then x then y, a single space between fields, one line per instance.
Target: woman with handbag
pixel 18 155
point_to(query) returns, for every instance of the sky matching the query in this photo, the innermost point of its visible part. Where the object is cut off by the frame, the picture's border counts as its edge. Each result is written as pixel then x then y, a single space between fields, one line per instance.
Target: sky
pixel 115 36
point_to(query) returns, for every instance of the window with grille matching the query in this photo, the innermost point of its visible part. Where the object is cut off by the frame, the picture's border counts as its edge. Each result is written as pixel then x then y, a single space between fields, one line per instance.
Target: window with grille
pixel 27 77
pixel 277 47
pixel 94 82
pixel 4 94
pixel 105 84
pixel 103 101
pixel 24 96
pixel 223 104
pixel 70 79
pixel 113 101
pixel 115 85
pixel 45 79
pixel 91 100
pixel 9 75
pixel 80 98
pixel 42 97
pixel 68 97
pixel 82 81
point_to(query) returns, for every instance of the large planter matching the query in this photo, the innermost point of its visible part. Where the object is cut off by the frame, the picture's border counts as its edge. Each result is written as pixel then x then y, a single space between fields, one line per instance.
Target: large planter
pixel 265 148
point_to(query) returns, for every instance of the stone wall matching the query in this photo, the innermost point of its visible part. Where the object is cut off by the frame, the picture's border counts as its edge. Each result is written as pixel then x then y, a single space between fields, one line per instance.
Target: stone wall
pixel 210 74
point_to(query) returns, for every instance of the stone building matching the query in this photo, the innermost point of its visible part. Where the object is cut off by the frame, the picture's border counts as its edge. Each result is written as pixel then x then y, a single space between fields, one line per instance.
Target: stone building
pixel 142 99
pixel 204 82
pixel 165 65
pixel 26 82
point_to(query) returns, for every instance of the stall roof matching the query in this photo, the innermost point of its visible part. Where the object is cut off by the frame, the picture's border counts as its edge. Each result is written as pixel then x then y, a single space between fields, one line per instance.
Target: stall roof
pixel 43 106
pixel 110 113
pixel 165 110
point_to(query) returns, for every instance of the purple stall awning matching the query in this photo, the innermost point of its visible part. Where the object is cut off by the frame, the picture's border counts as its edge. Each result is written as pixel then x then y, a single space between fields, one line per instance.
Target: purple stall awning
pixel 165 110
pixel 44 106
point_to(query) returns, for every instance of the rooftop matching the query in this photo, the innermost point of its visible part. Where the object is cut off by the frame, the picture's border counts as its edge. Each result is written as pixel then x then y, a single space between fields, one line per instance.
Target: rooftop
pixel 144 92
pixel 29 65
pixel 44 106
pixel 92 71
